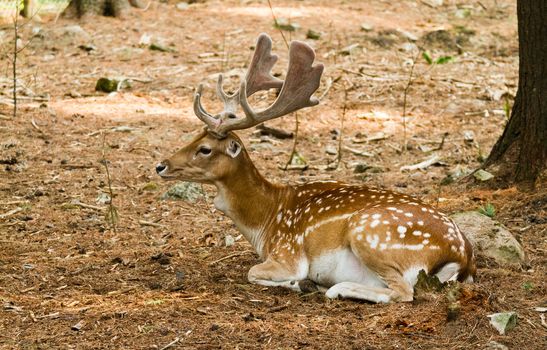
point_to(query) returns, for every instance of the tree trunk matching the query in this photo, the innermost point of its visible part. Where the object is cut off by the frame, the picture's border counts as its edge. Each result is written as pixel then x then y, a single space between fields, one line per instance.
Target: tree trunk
pixel 115 8
pixel 29 7
pixel 521 152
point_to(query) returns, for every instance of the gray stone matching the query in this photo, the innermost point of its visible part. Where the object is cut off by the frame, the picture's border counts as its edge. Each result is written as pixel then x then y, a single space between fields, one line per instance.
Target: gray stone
pixel 503 322
pixel 494 345
pixel 69 35
pixel 490 238
pixel 186 191
pixel 182 6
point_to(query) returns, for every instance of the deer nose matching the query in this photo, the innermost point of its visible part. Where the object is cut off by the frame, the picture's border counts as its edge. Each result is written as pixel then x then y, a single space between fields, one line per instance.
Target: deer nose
pixel 160 167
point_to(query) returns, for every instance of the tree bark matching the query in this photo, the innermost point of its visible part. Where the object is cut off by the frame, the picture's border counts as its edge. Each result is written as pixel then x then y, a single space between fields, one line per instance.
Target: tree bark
pixel 29 6
pixel 521 151
pixel 115 8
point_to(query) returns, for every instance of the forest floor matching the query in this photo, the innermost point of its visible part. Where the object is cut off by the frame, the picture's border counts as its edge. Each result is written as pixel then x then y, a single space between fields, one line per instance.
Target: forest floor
pixel 69 280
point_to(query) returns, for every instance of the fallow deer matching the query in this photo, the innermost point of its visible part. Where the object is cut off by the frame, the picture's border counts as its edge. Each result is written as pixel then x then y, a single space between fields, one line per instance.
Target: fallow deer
pixel 350 240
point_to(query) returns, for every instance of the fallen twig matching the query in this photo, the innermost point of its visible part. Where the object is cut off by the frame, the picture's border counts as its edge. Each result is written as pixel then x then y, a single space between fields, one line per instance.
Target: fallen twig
pixel 33 122
pixel 15 202
pixel 149 223
pixel 77 166
pixel 52 315
pixel 422 165
pixel 277 133
pixel 359 152
pixel 11 212
pixel 177 339
pixel 87 206
pixel 231 256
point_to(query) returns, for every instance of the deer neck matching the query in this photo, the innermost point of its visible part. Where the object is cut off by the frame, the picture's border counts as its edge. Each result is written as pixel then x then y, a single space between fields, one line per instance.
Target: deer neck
pixel 251 202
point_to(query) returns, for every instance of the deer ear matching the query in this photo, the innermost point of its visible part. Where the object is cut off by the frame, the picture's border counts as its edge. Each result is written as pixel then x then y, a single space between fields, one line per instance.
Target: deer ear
pixel 233 149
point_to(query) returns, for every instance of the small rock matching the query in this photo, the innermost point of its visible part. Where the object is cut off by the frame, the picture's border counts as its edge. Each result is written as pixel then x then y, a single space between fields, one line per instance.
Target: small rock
pixel 161 258
pixel 78 326
pixel 468 136
pixel 102 198
pixel 435 3
pixel 182 6
pixel 367 27
pixel 229 240
pixel 107 85
pixel 145 40
pixel 331 150
pixel 298 160
pixel 150 186
pixel 312 34
pixel 494 345
pixel 408 35
pixel 72 35
pixel 88 47
pixel 409 47
pixel 503 322
pixel 462 13
pixel 348 50
pixel 74 94
pixel 186 191
pixel 361 168
pixel 490 238
pixel 483 175
pixel 28 266
pixel 286 25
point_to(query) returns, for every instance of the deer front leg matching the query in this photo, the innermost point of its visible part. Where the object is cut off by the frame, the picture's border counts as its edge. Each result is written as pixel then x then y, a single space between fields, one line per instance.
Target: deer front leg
pixel 272 273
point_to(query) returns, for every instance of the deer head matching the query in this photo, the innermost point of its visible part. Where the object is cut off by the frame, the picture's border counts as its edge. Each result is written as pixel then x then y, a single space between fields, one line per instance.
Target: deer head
pixel 216 151
pixel 205 159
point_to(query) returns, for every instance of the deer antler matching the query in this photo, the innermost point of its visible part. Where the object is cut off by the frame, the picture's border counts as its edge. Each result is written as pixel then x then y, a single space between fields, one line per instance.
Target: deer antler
pixel 296 91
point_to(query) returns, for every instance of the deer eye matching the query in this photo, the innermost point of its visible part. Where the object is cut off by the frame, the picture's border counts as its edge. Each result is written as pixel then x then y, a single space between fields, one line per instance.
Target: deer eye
pixel 204 150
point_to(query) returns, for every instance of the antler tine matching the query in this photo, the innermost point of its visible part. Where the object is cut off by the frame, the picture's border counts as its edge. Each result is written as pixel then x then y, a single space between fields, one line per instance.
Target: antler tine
pixel 200 112
pixel 301 82
pixel 224 97
pixel 259 75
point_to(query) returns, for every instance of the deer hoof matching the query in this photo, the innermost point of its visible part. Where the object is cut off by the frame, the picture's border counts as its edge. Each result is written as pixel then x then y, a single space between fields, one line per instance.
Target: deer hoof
pixel 307 286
